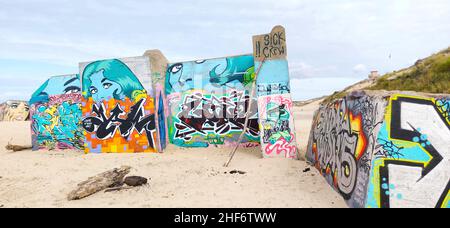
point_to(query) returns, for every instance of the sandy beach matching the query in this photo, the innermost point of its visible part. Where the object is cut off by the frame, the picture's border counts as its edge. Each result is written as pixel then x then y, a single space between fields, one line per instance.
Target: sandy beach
pixel 178 178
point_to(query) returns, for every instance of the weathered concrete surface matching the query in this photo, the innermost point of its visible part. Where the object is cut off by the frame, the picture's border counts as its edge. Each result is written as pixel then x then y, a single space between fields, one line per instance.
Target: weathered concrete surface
pixel 207 102
pixel 55 114
pixel 275 105
pixel 158 66
pixel 385 149
pixel 119 91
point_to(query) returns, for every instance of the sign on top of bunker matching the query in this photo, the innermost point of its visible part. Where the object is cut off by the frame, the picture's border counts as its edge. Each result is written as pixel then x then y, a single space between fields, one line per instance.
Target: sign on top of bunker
pixel 270 46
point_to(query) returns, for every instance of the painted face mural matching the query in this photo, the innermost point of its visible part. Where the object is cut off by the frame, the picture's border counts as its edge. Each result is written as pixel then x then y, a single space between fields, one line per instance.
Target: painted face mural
pixel 103 89
pixel 111 79
pixel 56 114
pixel 208 101
pixel 14 111
pixel 118 112
pixel 215 74
pixel 59 85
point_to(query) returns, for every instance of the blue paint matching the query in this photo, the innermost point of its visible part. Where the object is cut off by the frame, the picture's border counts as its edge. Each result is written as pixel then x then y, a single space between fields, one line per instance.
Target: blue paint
pixel 161 123
pixel 273 72
pixel 211 75
pixel 106 79
pixel 57 126
pixel 220 78
pixel 57 85
pixel 423 137
pixel 410 151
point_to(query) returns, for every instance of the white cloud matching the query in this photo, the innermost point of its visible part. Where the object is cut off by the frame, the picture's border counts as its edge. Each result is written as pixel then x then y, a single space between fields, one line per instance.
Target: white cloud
pixel 11 95
pixel 300 70
pixel 360 68
pixel 305 89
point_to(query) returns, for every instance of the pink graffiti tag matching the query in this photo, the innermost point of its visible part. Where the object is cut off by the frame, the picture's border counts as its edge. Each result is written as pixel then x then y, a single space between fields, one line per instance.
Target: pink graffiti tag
pixel 279 100
pixel 282 146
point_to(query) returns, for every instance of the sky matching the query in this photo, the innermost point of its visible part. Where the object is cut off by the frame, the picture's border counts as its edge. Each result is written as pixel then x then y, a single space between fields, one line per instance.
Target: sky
pixel 331 44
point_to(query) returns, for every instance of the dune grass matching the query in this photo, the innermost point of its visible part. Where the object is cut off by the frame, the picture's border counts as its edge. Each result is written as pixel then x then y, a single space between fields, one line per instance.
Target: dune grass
pixel 431 75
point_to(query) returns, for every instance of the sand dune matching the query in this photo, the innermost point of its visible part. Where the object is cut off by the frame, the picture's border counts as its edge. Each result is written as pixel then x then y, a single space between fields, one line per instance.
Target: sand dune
pixel 179 177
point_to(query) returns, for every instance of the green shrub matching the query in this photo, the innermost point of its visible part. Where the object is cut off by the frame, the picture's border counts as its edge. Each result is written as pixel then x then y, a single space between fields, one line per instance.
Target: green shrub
pixel 431 76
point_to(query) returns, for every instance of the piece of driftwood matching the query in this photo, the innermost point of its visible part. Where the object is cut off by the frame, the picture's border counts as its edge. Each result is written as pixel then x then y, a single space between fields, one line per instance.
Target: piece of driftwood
pixel 116 189
pixel 16 148
pixel 247 114
pixel 238 172
pixel 135 181
pixel 99 183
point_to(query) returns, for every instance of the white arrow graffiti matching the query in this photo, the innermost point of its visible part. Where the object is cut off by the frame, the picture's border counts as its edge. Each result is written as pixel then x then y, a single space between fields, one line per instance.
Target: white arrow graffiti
pixel 419 189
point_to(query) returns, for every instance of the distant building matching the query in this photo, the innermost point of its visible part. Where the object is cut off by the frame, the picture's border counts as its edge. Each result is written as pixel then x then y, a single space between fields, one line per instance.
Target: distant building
pixel 374 75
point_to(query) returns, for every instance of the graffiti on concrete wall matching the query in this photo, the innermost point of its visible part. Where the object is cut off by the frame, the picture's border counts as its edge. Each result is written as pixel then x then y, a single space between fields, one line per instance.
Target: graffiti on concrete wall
pixel 380 152
pixel 56 123
pixel 410 169
pixel 55 113
pixel 59 85
pixel 208 102
pixel 119 126
pixel 162 126
pixel 158 66
pixel 277 133
pixel 232 73
pixel 273 90
pixel 264 89
pixel 342 140
pixel 14 111
pixel 118 107
pixel 205 115
pixel 443 104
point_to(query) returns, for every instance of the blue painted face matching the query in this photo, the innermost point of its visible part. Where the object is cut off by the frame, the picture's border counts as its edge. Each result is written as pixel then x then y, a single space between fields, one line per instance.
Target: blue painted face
pixel 179 81
pixel 62 85
pixel 224 73
pixel 104 89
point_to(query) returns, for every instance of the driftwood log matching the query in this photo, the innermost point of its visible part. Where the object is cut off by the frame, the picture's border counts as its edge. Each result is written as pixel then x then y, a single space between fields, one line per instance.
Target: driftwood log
pixel 247 114
pixel 16 148
pixel 135 181
pixel 99 183
pixel 116 189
